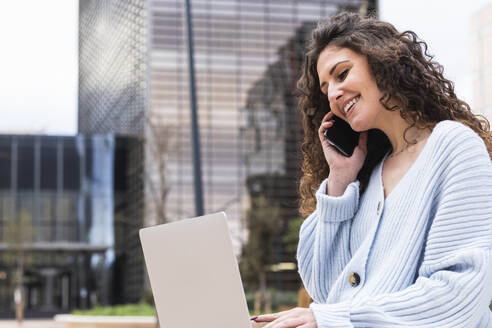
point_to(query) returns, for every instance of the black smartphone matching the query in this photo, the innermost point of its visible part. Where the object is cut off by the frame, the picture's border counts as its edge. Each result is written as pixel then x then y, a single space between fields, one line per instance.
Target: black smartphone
pixel 342 137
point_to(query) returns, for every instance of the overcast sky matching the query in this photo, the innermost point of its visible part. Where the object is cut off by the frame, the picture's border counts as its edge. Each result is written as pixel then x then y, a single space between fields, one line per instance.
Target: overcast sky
pixel 38 58
pixel 38 66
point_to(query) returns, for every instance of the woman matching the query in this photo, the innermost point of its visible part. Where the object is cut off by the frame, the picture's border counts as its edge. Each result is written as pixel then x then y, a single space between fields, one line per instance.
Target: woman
pixel 400 233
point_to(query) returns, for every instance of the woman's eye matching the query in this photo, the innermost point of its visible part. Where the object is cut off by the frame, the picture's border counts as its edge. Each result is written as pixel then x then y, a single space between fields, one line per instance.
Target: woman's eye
pixel 342 75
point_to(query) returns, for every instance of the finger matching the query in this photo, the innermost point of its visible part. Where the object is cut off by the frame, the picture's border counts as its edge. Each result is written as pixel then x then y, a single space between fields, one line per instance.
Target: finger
pixel 324 126
pixel 327 117
pixel 286 322
pixel 271 316
pixel 268 317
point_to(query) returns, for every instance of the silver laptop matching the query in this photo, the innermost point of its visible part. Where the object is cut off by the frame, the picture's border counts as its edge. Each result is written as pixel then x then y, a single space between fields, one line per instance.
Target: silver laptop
pixel 194 274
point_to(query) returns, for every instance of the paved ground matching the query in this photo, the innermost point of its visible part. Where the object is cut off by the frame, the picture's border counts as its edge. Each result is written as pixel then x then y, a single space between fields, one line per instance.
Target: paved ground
pixel 51 324
pixel 31 324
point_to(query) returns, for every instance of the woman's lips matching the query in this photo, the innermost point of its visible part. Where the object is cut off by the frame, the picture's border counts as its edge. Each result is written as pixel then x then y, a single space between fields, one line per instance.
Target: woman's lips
pixel 351 109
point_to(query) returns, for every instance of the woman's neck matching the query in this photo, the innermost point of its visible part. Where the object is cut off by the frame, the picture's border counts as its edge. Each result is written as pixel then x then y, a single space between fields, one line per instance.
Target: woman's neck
pixel 395 126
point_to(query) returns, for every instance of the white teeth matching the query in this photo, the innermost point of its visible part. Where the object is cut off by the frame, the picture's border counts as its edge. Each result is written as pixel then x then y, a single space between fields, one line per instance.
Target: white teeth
pixel 352 102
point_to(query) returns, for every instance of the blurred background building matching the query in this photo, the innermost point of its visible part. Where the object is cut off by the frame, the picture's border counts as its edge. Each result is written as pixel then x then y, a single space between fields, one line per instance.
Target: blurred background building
pixel 133 81
pixel 113 97
pixel 57 197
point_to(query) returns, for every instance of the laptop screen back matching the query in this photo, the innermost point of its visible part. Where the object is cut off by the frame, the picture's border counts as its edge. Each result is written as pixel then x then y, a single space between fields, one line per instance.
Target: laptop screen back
pixel 194 274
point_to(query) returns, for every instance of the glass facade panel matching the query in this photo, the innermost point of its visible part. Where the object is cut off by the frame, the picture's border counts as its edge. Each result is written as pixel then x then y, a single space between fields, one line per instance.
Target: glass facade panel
pixel 47 218
pixel 25 163
pixel 70 253
pixel 49 164
pixel 5 164
pixel 101 191
pixel 7 211
pixel 67 222
pixel 71 166
pixel 25 205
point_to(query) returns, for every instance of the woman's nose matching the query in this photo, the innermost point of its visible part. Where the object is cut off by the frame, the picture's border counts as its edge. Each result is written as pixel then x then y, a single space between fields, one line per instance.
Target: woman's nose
pixel 334 94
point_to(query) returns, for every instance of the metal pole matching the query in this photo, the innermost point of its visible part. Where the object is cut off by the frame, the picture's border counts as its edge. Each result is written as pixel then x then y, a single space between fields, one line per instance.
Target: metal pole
pixel 197 170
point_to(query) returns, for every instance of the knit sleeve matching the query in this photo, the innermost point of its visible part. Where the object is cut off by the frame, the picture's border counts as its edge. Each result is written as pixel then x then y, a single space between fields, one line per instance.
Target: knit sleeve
pixel 323 249
pixel 453 287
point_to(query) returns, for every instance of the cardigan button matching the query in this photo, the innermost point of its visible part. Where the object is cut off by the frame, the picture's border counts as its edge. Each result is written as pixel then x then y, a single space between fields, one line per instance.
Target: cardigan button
pixel 379 207
pixel 354 279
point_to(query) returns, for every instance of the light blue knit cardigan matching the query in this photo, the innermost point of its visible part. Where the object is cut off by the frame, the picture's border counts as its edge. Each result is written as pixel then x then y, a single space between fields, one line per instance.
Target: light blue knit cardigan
pixel 423 258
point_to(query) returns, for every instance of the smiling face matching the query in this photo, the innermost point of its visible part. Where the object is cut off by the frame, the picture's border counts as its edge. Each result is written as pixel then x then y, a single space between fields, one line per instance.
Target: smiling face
pixel 346 79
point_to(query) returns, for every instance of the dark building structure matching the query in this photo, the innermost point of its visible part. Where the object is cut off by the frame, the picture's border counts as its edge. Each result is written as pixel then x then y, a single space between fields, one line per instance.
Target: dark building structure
pixel 57 201
pixel 112 98
pixel 134 80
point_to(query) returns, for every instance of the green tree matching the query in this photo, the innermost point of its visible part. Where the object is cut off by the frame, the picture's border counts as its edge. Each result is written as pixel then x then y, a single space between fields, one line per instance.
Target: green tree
pixel 263 222
pixel 19 238
pixel 291 238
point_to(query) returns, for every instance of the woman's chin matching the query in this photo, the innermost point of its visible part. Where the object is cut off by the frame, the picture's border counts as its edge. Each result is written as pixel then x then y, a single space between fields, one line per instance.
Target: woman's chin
pixel 356 127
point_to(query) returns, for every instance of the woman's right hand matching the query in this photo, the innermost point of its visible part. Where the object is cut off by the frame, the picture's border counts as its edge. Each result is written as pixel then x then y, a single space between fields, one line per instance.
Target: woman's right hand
pixel 343 170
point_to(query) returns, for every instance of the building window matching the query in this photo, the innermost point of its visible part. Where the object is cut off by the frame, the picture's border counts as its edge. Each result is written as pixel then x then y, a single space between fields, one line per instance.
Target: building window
pixel 48 164
pixel 5 163
pixel 25 161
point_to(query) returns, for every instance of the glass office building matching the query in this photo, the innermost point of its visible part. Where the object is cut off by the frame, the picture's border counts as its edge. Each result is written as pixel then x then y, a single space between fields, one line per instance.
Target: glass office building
pixel 57 199
pixel 113 98
pixel 248 55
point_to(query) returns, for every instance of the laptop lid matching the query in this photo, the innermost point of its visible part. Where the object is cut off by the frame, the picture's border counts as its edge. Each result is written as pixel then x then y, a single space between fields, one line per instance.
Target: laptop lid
pixel 194 274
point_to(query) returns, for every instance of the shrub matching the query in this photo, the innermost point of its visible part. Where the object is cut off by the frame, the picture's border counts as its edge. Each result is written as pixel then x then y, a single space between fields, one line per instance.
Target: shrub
pixel 279 298
pixel 119 310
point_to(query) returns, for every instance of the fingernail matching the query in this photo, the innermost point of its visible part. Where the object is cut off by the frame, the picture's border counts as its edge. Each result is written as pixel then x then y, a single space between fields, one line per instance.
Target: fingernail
pixel 331 121
pixel 253 318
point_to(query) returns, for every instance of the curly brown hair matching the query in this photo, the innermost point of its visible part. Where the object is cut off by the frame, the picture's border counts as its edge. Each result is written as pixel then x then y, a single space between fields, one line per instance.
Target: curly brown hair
pixel 403 70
